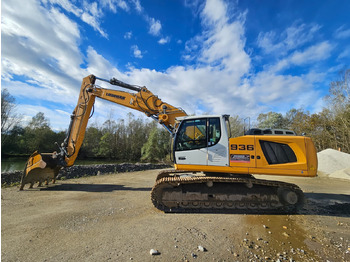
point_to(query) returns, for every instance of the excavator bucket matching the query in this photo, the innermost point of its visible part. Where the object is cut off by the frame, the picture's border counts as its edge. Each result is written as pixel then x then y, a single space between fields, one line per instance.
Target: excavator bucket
pixel 40 168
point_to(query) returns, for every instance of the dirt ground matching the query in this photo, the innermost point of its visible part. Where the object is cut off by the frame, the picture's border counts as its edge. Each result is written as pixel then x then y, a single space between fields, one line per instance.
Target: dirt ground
pixel 111 218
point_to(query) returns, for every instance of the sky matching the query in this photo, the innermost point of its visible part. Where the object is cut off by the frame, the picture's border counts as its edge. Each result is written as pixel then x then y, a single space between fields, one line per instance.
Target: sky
pixel 208 57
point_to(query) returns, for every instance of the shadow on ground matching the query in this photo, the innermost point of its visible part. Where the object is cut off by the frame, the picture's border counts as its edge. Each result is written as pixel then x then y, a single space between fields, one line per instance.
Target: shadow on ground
pixel 327 204
pixel 316 203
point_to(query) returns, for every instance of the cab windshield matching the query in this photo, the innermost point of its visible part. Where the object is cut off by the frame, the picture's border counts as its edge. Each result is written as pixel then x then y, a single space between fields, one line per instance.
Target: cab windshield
pixel 198 133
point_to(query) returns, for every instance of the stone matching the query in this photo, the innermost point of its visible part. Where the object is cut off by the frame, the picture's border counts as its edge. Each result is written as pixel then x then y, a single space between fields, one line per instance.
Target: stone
pixel 285 234
pixel 202 249
pixel 154 252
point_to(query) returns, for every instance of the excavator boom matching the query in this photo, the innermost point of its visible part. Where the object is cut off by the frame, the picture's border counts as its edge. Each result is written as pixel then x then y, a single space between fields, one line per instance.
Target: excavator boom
pixel 42 167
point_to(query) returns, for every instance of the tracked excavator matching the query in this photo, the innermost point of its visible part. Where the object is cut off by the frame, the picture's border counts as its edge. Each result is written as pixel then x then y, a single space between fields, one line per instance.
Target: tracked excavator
pixel 212 171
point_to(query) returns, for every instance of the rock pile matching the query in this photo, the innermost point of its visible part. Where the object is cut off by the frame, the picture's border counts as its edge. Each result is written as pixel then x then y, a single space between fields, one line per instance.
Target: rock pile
pixel 9 178
pixel 94 170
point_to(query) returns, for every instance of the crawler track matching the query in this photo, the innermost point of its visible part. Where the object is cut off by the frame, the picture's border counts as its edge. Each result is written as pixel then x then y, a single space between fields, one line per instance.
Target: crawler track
pixel 178 193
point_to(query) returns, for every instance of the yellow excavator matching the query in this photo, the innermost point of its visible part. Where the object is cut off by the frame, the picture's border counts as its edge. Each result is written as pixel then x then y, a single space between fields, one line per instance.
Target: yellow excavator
pixel 211 169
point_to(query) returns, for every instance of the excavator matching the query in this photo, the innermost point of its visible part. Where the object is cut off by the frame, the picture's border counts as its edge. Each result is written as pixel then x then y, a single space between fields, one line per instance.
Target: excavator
pixel 212 170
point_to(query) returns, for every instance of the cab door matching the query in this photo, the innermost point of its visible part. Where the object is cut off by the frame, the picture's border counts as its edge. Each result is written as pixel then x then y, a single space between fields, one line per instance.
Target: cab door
pixel 217 142
pixel 191 142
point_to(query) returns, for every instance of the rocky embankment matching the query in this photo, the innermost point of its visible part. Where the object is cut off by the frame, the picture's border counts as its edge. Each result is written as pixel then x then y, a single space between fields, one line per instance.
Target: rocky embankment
pixel 8 178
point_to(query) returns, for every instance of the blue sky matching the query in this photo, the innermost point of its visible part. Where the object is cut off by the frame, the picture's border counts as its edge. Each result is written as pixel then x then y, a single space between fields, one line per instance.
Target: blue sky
pixel 219 57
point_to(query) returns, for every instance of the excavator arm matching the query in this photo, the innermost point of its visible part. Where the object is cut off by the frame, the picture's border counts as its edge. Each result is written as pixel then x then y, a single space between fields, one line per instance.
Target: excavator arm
pixel 42 167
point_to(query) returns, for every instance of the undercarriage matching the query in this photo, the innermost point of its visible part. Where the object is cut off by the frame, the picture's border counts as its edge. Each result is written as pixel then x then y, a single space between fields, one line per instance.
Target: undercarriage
pixel 181 191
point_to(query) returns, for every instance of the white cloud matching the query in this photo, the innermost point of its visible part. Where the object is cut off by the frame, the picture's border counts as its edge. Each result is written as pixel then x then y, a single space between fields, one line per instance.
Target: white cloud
pixel 93 8
pixel 137 5
pixel 286 91
pixel 67 5
pixel 164 40
pixel 32 91
pixel 99 66
pixel 90 13
pixel 293 37
pixel 344 54
pixel 59 119
pixel 91 20
pixel 136 51
pixel 128 35
pixel 222 43
pixel 312 54
pixel 121 4
pixel 214 12
pixel 44 49
pixel 154 26
pixel 342 33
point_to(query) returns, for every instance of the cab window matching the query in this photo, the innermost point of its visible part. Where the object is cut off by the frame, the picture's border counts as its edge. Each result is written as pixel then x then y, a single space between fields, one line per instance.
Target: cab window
pixel 192 135
pixel 198 133
pixel 214 133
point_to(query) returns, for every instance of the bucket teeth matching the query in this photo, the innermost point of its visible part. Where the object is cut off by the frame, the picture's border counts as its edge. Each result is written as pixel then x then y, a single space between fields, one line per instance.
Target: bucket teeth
pixel 40 168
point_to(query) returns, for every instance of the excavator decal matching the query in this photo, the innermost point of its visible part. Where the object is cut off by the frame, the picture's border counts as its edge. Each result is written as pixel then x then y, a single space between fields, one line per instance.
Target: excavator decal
pixel 116 96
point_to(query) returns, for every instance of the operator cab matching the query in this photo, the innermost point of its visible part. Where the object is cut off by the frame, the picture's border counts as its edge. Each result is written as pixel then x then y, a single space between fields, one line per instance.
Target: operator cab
pixel 201 141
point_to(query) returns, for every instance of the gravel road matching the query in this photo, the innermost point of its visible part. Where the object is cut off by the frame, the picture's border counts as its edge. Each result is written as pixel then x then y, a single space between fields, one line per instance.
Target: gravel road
pixel 111 218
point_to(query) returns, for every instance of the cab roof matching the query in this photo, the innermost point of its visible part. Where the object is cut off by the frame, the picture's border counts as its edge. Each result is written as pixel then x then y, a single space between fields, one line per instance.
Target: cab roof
pixel 181 118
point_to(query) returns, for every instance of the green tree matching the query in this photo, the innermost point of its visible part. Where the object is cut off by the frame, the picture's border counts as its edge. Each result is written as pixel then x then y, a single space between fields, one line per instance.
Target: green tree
pixel 236 126
pixel 270 120
pixel 39 121
pixel 137 133
pixel 298 121
pixel 322 129
pixel 106 146
pixel 90 147
pixel 9 118
pixel 14 144
pixel 339 104
pixel 39 136
pixel 121 137
pixel 157 145
pixel 150 149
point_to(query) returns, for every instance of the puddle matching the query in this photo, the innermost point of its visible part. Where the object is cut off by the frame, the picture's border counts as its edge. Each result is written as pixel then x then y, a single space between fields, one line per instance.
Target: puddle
pixel 273 237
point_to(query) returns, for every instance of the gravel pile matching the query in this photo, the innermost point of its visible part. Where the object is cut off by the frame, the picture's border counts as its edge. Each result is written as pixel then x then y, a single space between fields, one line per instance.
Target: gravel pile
pixel 333 163
pixel 9 178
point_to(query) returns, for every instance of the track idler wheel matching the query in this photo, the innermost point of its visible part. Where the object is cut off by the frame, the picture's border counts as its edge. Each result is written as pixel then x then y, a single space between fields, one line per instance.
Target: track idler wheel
pixel 291 197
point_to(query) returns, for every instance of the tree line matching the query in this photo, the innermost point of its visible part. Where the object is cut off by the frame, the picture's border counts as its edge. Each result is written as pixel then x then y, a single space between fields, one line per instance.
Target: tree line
pixel 126 140
pixel 135 139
